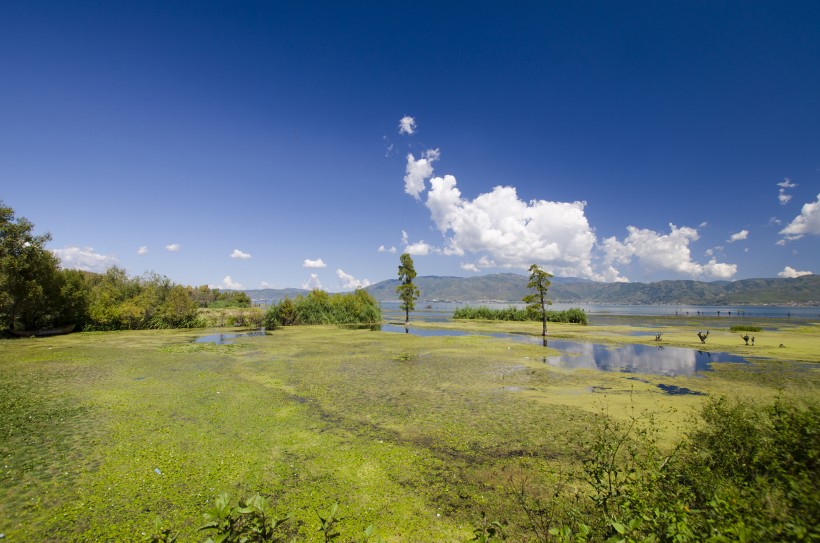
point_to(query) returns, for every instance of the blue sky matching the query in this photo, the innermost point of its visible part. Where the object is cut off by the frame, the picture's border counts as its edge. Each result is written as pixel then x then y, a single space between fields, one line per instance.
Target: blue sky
pixel 252 144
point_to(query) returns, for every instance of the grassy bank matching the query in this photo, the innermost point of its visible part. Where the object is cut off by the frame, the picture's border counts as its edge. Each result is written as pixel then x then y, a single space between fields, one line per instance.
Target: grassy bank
pixel 100 432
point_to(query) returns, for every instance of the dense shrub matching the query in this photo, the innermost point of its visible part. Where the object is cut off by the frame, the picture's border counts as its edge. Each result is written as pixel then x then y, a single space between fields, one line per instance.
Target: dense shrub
pixel 252 317
pixel 319 307
pixel 743 473
pixel 119 302
pixel 572 315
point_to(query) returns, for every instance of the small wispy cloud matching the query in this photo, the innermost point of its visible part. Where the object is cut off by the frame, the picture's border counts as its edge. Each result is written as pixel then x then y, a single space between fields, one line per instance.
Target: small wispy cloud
pixel 388 146
pixel 239 254
pixel 142 250
pixel 173 247
pixel 265 284
pixel 318 263
pixel 407 125
pixel 782 197
pixel 738 236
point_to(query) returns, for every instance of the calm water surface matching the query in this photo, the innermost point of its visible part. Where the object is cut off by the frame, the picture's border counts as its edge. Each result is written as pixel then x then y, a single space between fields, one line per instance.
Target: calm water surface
pixel 649 359
pixel 439 311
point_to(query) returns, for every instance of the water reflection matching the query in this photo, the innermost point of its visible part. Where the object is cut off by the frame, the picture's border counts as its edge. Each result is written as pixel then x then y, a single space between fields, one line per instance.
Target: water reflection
pixel 651 359
pixel 658 360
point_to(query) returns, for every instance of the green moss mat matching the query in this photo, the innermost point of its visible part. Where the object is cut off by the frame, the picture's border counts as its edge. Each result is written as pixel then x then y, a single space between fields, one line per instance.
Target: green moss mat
pixel 100 432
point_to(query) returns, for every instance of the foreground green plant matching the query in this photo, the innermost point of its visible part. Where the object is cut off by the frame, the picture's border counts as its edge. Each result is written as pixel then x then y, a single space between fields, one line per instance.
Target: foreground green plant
pixel 249 522
pixel 161 533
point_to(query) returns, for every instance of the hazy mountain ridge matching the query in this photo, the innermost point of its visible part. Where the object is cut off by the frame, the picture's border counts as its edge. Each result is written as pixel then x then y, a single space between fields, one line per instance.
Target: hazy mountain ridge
pixel 510 287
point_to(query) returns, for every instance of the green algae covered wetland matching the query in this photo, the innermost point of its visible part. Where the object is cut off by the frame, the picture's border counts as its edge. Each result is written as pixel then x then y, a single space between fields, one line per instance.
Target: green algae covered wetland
pixel 416 435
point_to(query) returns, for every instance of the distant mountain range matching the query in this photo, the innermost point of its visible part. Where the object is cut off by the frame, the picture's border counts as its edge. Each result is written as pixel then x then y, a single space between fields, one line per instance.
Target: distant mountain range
pixel 511 288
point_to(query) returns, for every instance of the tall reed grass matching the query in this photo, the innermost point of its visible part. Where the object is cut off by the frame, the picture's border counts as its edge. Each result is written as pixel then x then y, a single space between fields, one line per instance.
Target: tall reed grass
pixel 572 315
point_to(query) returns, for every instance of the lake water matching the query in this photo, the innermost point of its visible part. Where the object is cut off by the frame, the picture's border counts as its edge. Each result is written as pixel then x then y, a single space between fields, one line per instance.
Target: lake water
pixel 438 311
pixel 633 358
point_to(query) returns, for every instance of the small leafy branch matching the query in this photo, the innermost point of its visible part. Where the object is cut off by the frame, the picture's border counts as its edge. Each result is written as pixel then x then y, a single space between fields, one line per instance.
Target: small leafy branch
pixel 328 524
pixel 488 531
pixel 161 533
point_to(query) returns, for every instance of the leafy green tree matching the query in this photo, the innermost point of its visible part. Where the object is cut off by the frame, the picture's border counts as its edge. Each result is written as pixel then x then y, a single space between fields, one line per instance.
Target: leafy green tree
pixel 30 279
pixel 537 301
pixel 107 294
pixel 203 295
pixel 177 310
pixel 75 297
pixel 408 292
pixel 231 298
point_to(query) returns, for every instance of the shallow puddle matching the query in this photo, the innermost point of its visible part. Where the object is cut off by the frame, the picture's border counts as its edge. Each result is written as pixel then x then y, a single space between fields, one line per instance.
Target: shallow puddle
pixel 225 339
pixel 633 358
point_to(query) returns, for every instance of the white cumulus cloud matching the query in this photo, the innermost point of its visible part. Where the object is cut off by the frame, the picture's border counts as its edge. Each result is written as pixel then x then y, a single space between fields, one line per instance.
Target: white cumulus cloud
pixel 347 281
pixel 312 283
pixel 664 252
pixel 790 273
pixel 500 229
pixel 318 263
pixel 407 125
pixel 142 250
pixel 265 284
pixel 84 258
pixel 418 248
pixel 239 254
pixel 419 170
pixel 173 247
pixel 510 232
pixel 808 222
pixel 228 284
pixel 383 249
pixel 739 236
